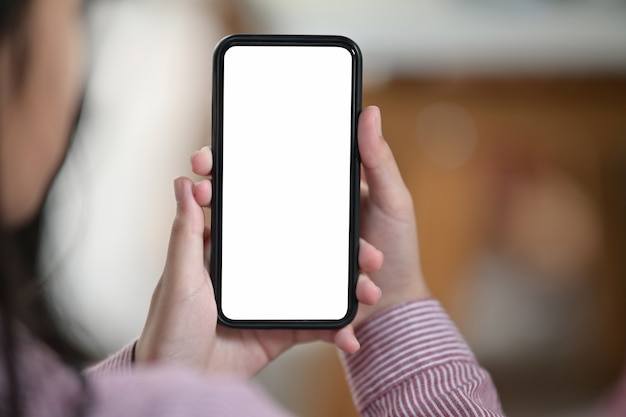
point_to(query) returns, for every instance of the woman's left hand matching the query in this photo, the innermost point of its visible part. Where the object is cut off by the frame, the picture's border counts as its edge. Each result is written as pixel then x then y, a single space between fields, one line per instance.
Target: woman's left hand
pixel 182 325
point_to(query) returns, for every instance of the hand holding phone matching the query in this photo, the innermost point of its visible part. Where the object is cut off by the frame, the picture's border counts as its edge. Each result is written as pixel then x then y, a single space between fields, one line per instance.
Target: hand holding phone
pixel 181 325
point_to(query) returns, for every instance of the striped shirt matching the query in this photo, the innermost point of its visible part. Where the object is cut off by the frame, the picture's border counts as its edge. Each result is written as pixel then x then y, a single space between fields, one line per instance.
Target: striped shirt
pixel 412 362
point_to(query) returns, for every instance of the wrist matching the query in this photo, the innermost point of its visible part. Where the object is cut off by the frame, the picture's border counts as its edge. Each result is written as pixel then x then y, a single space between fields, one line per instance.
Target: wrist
pixel 391 298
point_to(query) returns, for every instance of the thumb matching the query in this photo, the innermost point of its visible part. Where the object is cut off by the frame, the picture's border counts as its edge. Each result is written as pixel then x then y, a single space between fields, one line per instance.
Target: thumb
pixel 381 172
pixel 185 256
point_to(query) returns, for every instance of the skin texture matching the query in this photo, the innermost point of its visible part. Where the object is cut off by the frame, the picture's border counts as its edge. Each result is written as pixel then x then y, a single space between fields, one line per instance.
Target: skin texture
pixel 36 116
pixel 182 323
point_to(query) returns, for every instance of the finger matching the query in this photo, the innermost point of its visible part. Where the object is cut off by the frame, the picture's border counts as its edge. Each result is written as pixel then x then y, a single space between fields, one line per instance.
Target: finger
pixel 203 193
pixel 202 162
pixel 380 169
pixel 346 340
pixel 370 258
pixel 367 292
pixel 185 256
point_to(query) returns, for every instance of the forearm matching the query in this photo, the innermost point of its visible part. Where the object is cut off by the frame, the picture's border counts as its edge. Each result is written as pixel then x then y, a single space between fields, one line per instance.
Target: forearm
pixel 413 361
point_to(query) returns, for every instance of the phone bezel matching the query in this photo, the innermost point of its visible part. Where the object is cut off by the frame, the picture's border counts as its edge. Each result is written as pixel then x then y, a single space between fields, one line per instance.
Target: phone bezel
pixel 217 140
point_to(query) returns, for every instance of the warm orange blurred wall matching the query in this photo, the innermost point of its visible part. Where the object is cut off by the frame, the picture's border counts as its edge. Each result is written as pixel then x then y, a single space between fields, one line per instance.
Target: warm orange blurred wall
pixel 524 130
pixel 577 126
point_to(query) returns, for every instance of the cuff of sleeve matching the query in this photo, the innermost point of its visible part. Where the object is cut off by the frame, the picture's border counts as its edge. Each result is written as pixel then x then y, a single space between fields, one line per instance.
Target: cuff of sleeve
pixel 120 362
pixel 399 344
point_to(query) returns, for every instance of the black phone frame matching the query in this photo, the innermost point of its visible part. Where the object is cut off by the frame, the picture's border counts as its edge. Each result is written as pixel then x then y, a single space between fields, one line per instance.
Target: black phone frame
pixel 217 139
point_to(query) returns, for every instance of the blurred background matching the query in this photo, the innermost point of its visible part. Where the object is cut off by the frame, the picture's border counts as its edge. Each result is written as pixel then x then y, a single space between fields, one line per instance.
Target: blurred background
pixel 508 120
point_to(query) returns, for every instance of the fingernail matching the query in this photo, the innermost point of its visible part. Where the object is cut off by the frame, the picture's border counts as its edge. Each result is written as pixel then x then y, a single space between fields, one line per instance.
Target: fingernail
pixel 379 124
pixel 203 149
pixel 178 190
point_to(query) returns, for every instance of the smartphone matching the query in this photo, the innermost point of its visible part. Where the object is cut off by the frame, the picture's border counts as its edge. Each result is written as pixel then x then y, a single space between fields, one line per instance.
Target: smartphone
pixel 286 174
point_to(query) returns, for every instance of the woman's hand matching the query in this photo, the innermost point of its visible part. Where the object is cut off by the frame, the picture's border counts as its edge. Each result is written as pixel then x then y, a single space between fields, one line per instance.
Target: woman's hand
pixel 180 327
pixel 387 220
pixel 182 322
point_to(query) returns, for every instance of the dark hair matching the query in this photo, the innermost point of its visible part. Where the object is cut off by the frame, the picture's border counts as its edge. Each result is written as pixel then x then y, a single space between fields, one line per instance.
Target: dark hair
pixel 12 16
pixel 13 30
pixel 21 297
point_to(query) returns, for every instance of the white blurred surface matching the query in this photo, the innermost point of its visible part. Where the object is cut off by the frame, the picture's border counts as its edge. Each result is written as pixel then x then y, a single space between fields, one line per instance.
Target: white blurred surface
pixel 147 108
pixel 426 37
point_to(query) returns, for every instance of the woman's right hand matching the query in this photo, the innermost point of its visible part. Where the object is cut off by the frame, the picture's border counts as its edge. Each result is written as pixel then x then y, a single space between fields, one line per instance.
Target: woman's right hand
pixel 387 220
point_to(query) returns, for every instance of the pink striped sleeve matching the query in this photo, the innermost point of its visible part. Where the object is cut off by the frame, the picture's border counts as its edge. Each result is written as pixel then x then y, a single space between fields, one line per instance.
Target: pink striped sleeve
pixel 119 362
pixel 414 362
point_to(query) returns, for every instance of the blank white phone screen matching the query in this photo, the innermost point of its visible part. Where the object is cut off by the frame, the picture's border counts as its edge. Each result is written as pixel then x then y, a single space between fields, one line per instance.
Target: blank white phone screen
pixel 286 182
